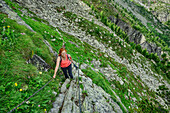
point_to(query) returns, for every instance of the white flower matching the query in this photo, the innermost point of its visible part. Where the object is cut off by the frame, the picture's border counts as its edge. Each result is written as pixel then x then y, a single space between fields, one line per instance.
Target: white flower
pixel 27 102
pixel 55 93
pixel 52 39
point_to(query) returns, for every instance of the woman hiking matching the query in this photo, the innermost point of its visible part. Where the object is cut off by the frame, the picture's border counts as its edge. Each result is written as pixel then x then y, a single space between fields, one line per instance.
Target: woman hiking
pixel 64 62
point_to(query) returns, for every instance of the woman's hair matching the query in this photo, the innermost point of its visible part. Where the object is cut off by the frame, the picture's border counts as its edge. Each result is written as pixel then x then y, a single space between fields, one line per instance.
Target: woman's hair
pixel 61 50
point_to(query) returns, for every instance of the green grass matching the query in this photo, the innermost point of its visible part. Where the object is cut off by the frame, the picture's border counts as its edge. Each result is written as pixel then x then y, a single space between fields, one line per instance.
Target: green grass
pixel 19 48
pixel 85 92
pixel 67 86
pixel 15 70
pixel 81 86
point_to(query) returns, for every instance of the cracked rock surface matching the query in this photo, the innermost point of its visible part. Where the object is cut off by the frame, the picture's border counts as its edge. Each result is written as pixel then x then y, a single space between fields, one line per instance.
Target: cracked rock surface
pixel 96 99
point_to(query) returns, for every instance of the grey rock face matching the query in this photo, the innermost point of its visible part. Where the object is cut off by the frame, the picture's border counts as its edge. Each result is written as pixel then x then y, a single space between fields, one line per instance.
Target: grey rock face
pixel 96 99
pixel 39 63
pixel 63 88
pixel 134 35
pixel 109 74
pixel 151 48
pixel 57 104
pixel 83 66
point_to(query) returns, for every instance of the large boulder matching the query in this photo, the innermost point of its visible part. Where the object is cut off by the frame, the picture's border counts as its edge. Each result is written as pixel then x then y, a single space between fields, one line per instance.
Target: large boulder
pixel 39 63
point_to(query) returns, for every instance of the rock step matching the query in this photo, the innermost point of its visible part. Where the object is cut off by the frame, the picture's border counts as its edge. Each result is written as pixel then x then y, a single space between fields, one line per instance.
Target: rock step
pixel 96 99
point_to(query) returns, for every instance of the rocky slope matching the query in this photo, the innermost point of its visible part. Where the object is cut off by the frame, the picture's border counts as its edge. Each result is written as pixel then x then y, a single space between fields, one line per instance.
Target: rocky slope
pixel 143 11
pixel 158 7
pixel 95 99
pixel 73 18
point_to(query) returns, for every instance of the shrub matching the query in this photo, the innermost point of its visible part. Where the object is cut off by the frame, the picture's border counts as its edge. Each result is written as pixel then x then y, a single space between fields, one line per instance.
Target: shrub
pixel 139 48
pixel 156 58
pixel 144 52
pixel 127 39
pixel 105 21
pixel 163 61
pixel 117 15
pixel 112 26
pixel 151 56
pixel 101 14
pixel 147 54
pixel 163 55
pixel 132 45
pixel 118 30
pixel 92 7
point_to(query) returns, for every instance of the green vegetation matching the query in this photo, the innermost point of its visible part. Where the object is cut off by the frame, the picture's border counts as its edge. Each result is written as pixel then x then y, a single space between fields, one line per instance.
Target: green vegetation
pixel 143 104
pixel 32 46
pixel 81 86
pixel 152 35
pixel 84 92
pixel 67 86
pixel 18 79
pixel 18 44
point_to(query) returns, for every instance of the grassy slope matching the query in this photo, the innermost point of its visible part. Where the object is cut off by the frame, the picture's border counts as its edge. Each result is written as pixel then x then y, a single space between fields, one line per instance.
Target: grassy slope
pixel 22 49
pixel 15 70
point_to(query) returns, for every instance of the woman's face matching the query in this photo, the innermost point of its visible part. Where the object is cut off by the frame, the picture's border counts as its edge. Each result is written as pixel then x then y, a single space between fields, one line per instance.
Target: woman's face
pixel 63 53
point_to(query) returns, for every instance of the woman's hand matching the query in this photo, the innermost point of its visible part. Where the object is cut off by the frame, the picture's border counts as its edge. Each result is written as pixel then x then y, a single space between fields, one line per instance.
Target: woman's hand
pixel 54 76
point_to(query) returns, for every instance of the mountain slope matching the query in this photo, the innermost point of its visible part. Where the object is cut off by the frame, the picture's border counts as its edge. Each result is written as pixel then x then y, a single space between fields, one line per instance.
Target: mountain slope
pixel 118 73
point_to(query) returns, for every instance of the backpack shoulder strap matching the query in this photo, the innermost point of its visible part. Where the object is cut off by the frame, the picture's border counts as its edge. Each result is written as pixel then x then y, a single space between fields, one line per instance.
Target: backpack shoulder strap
pixel 68 57
pixel 60 59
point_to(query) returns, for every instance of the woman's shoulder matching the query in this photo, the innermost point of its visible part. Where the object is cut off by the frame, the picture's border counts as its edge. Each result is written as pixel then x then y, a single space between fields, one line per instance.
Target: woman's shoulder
pixel 59 57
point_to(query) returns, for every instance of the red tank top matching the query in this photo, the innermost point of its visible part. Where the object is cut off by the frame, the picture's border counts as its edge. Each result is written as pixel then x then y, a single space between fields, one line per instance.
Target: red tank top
pixel 65 63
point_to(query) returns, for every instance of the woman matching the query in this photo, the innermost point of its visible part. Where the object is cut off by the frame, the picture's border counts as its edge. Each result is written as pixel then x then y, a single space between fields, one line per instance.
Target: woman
pixel 65 63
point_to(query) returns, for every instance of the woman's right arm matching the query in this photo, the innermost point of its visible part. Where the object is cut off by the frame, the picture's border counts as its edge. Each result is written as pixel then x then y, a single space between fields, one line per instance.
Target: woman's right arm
pixel 56 68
